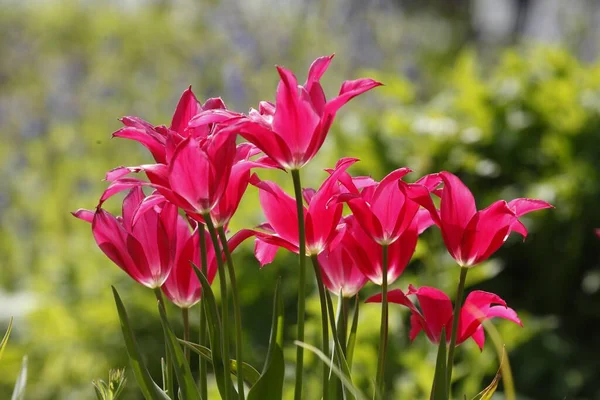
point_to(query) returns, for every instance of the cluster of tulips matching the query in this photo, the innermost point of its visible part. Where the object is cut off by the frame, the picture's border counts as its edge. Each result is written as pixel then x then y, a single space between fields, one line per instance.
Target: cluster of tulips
pixel 175 240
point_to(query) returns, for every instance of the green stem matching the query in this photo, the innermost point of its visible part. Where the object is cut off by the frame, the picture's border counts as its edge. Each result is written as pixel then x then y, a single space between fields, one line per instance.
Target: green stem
pixel 236 309
pixel 324 324
pixel 383 332
pixel 457 303
pixel 224 301
pixel 342 322
pixel 202 337
pixel 168 367
pixel 185 315
pixel 301 283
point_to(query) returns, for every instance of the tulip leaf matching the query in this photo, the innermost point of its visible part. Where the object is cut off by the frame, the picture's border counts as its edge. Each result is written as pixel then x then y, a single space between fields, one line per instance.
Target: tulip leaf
pixel 149 388
pixel 439 390
pixel 6 336
pixel 222 375
pixel 270 383
pixel 249 373
pixel 338 352
pixel 352 337
pixel 187 384
pixel 488 392
pixel 334 369
pixel 19 390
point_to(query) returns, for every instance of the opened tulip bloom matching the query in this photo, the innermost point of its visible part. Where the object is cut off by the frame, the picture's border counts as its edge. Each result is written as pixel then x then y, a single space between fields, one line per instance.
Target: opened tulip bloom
pixel 472 236
pixel 160 140
pixel 142 242
pixel 322 217
pixel 382 209
pixel 436 313
pixel 292 130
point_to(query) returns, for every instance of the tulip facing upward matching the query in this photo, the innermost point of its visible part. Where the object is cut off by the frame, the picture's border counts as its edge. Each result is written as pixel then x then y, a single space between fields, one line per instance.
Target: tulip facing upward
pixel 321 217
pixel 182 286
pixel 292 130
pixel 436 313
pixel 160 140
pixel 142 242
pixel 340 268
pixel 472 236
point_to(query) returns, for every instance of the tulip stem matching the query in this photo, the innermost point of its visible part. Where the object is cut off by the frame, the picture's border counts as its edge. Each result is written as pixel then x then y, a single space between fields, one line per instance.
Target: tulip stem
pixel 185 315
pixel 236 309
pixel 301 283
pixel 342 321
pixel 168 383
pixel 383 332
pixel 457 303
pixel 324 323
pixel 202 338
pixel 224 302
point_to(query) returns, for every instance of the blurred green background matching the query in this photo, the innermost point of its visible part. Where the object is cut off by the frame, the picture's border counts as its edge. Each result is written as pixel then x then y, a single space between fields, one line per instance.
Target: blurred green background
pixel 504 93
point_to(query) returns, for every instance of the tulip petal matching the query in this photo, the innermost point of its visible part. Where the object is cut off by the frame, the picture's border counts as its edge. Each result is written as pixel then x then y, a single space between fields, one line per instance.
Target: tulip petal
pixel 524 206
pixel 436 308
pixel 187 108
pixel 348 91
pixel 83 214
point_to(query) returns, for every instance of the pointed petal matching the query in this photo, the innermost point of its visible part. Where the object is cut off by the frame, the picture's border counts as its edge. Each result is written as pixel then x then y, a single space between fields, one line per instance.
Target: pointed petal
pixel 478 337
pixel 268 141
pixel 187 107
pixel 436 307
pixel 348 91
pixel 524 206
pixel 264 252
pixel 83 214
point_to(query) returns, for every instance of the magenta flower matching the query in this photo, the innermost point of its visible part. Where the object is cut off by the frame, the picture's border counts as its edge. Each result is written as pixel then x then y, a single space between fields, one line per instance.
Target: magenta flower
pixel 368 254
pixel 292 130
pixel 382 209
pixel 340 269
pixel 162 141
pixel 436 313
pixel 472 236
pixel 142 242
pixel 321 217
pixel 182 286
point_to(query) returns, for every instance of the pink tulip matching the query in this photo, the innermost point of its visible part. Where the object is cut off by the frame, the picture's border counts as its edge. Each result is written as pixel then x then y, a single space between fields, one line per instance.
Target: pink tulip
pixel 368 254
pixel 437 313
pixel 142 242
pixel 321 217
pixel 340 268
pixel 160 140
pixel 471 236
pixel 182 286
pixel 382 209
pixel 292 130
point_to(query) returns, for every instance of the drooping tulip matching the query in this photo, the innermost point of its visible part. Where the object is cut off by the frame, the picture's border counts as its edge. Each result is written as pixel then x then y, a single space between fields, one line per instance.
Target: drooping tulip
pixel 321 217
pixel 292 130
pixel 142 242
pixel 472 236
pixel 436 312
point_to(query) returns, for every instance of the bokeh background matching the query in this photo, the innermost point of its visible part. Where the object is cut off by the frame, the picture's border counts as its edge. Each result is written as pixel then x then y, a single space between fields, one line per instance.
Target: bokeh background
pixel 504 93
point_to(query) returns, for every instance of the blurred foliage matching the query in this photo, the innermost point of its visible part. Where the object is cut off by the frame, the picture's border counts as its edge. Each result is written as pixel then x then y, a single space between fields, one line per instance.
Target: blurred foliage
pixel 525 123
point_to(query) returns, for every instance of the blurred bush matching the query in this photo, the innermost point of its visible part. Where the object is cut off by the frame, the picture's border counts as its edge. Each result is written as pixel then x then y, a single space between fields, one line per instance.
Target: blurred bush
pixel 523 123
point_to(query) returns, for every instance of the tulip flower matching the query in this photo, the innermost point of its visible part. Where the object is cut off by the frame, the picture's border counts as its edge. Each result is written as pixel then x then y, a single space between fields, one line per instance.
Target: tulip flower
pixel 160 140
pixel 321 217
pixel 182 286
pixel 436 313
pixel 382 209
pixel 472 236
pixel 292 130
pixel 340 268
pixel 142 242
pixel 368 254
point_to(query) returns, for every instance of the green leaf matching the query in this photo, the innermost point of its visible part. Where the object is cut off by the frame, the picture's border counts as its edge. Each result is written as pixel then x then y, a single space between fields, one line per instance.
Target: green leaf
pixel 19 390
pixel 335 369
pixel 352 337
pixel 149 388
pixel 222 375
pixel 339 354
pixel 439 390
pixel 6 336
pixel 187 384
pixel 488 392
pixel 270 384
pixel 250 373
